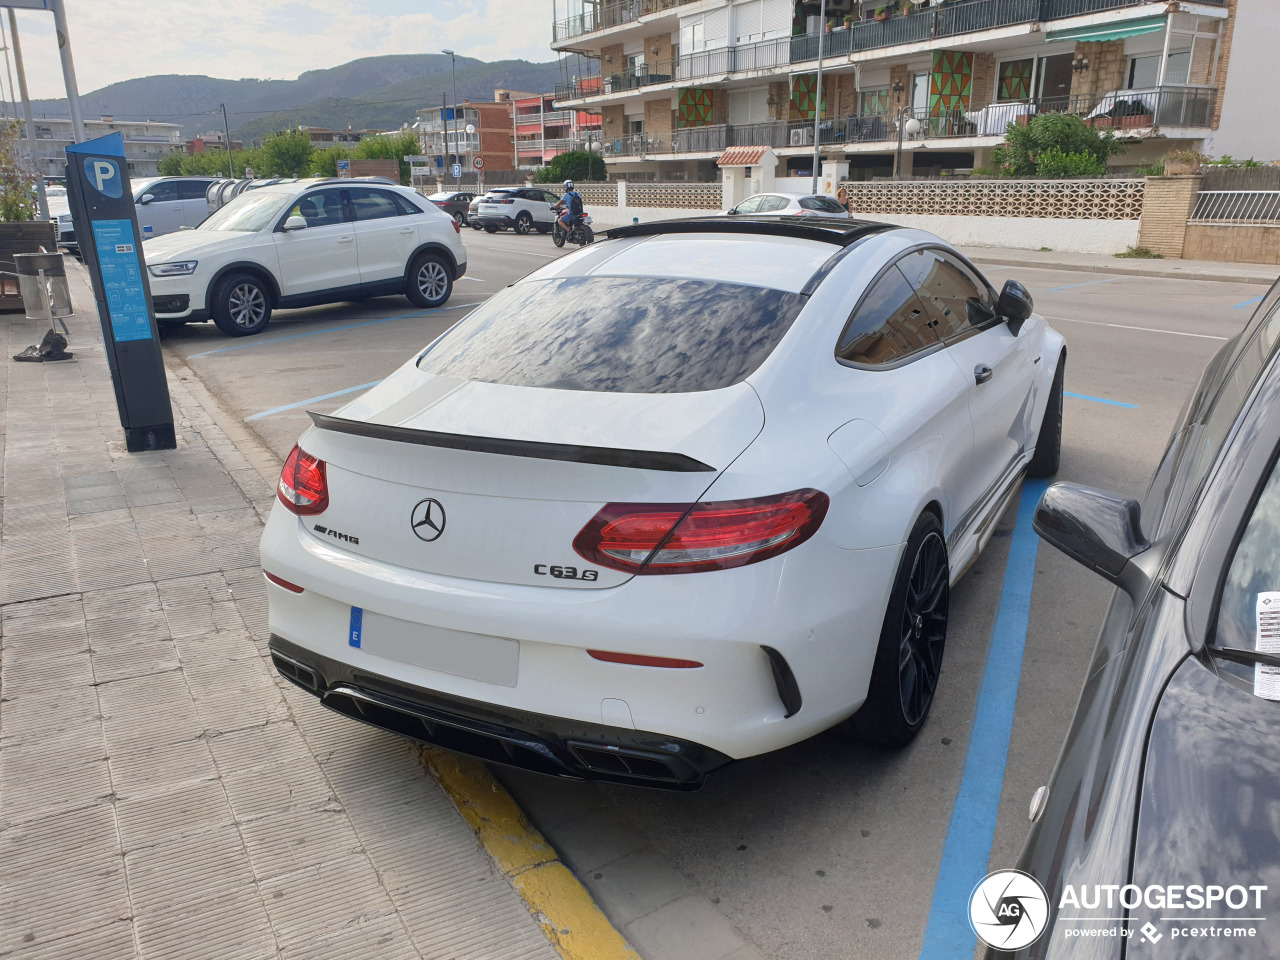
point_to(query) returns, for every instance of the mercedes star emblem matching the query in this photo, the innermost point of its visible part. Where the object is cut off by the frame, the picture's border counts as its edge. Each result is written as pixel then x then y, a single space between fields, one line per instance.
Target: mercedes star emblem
pixel 428 520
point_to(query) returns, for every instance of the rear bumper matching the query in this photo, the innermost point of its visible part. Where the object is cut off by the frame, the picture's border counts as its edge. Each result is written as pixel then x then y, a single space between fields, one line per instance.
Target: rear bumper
pixel 530 741
pixel 488 220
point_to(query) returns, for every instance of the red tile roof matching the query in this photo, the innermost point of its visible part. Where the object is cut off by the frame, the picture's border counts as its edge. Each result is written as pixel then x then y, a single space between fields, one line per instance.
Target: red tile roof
pixel 741 157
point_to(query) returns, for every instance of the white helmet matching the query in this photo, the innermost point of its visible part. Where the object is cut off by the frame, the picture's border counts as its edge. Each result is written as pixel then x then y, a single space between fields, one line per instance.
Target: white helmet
pixel 568 185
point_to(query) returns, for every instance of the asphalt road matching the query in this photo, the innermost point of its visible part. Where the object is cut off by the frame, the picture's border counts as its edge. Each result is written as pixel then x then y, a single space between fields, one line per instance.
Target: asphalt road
pixel 829 848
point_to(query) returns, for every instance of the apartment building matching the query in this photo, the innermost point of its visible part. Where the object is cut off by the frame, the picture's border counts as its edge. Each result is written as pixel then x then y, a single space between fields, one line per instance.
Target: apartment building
pixel 145 143
pixel 682 80
pixel 540 132
pixel 442 131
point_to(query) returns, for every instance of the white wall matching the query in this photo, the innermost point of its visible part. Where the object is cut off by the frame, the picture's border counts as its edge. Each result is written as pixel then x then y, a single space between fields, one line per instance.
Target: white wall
pixel 1250 127
pixel 1024 233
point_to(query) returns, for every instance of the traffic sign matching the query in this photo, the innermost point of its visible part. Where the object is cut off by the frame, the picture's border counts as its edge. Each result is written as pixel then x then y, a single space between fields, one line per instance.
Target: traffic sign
pixel 417 159
pixel 344 164
pixel 457 169
pixel 478 163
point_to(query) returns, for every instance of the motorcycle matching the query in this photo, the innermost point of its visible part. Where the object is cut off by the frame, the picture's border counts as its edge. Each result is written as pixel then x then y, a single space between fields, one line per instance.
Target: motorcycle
pixel 580 233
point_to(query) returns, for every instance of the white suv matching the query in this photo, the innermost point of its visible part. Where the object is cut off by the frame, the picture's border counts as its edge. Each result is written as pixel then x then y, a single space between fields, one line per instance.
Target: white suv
pixel 522 209
pixel 303 243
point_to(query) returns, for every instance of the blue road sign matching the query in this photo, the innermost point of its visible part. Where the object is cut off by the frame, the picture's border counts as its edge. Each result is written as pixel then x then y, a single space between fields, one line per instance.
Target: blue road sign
pixel 344 164
pixel 457 169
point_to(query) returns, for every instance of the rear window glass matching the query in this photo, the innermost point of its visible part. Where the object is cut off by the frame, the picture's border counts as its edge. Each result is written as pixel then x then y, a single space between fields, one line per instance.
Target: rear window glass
pixel 617 335
pixel 823 204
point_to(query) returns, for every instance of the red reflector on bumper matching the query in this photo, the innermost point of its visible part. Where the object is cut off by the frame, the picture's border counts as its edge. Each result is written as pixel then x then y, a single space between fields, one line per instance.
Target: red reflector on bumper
pixel 641 661
pixel 281 582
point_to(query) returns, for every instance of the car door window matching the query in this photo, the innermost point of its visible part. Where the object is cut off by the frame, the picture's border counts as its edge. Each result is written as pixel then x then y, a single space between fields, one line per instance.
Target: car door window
pixel 403 206
pixel 162 192
pixel 889 325
pixel 958 302
pixel 192 189
pixel 749 205
pixel 371 204
pixel 773 204
pixel 323 208
pixel 1254 570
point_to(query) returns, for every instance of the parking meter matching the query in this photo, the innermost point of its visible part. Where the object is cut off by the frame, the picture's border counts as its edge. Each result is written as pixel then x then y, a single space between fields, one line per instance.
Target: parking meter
pixel 106 225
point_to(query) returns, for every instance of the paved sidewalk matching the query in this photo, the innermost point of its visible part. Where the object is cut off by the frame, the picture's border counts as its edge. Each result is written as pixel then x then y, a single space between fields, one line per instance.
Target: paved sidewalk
pixel 1259 273
pixel 162 792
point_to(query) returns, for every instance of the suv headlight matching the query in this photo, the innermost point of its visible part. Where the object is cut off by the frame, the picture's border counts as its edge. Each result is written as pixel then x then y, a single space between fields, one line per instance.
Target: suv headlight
pixel 183 268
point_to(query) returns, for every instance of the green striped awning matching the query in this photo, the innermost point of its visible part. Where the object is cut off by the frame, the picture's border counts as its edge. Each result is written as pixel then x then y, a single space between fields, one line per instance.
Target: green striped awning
pixel 1109 31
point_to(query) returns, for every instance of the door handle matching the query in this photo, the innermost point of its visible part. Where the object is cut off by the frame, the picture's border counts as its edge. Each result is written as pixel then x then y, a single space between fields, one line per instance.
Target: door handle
pixel 345 239
pixel 407 230
pixel 981 373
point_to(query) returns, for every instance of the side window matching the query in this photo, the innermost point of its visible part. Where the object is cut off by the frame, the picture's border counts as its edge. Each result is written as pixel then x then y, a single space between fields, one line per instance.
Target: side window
pixel 163 192
pixel 403 206
pixel 550 198
pixel 323 208
pixel 773 204
pixel 958 302
pixel 749 205
pixel 1254 570
pixel 192 189
pixel 889 325
pixel 371 204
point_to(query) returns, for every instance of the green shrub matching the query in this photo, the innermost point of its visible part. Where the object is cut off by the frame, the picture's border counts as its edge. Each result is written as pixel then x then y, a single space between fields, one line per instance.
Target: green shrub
pixel 574 165
pixel 1058 142
pixel 1140 253
pixel 17 178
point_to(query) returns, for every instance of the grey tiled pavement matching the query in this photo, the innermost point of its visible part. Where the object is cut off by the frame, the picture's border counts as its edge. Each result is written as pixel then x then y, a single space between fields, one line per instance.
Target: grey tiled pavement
pixel 162 793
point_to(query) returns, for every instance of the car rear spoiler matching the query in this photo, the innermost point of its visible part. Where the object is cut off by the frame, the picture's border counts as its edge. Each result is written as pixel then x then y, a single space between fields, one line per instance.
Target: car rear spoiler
pixel 573 453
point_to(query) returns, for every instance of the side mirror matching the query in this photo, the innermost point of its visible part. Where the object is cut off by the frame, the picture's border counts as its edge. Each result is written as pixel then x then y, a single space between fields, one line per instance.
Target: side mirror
pixel 295 223
pixel 731 211
pixel 1101 530
pixel 145 199
pixel 1015 305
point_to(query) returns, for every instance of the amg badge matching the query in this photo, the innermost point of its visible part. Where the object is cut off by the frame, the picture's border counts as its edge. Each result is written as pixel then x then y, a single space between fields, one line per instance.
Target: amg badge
pixel 329 532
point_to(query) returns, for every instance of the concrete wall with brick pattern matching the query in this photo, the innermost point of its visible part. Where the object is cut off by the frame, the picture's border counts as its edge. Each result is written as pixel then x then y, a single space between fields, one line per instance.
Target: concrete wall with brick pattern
pixel 1251 244
pixel 1166 205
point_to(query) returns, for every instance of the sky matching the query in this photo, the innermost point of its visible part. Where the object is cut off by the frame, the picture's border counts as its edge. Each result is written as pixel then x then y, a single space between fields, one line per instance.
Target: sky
pixel 113 40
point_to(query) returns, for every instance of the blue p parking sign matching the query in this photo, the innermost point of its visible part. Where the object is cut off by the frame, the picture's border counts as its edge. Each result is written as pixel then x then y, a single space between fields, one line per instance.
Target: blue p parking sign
pixel 457 169
pixel 104 175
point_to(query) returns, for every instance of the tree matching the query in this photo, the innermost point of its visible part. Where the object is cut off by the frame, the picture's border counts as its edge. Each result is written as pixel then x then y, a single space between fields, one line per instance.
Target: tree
pixel 574 165
pixel 1055 145
pixel 390 146
pixel 171 164
pixel 324 163
pixel 17 178
pixel 286 154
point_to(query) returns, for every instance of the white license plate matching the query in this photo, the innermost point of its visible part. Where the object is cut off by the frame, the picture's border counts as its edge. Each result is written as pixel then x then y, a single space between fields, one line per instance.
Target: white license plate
pixel 472 655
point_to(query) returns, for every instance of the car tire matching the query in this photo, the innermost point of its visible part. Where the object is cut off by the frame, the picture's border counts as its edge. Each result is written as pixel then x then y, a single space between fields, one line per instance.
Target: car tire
pixel 904 675
pixel 429 281
pixel 524 223
pixel 1048 455
pixel 543 230
pixel 241 305
pixel 490 229
pixel 461 218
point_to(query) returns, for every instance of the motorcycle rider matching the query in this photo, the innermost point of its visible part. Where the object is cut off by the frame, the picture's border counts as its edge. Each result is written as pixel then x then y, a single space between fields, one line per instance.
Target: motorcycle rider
pixel 572 203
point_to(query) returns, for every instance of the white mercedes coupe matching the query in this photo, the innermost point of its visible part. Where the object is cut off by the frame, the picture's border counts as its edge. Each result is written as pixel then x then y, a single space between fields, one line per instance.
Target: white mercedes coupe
pixel 688 495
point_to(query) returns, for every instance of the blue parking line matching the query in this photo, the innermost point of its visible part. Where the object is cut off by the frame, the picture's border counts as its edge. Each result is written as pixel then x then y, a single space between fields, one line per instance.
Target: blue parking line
pixel 303 403
pixel 1087 283
pixel 1248 303
pixel 967 851
pixel 1110 403
pixel 315 333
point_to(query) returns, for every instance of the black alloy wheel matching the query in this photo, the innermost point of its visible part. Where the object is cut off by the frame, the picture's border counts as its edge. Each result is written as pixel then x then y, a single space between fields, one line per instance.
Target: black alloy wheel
pixel 908 662
pixel 524 223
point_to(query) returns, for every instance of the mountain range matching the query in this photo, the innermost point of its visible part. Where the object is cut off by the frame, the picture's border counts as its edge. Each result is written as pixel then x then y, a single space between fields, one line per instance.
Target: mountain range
pixel 370 93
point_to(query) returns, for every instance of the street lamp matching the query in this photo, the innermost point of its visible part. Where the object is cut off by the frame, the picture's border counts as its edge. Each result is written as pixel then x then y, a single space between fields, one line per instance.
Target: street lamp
pixel 911 126
pixel 453 68
pixel 470 133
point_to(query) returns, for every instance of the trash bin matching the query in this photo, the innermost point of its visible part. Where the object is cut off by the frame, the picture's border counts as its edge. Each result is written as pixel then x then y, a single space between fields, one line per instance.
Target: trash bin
pixel 43 280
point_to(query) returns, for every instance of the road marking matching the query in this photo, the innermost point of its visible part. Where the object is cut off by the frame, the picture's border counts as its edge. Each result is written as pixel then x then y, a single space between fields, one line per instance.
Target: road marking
pixel 347 326
pixel 303 403
pixel 1113 403
pixel 563 908
pixel 473 279
pixel 967 850
pixel 1125 326
pixel 1248 303
pixel 1087 283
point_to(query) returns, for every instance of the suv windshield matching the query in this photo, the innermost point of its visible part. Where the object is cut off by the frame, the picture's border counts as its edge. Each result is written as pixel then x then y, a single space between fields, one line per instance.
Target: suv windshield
pixel 249 212
pixel 617 335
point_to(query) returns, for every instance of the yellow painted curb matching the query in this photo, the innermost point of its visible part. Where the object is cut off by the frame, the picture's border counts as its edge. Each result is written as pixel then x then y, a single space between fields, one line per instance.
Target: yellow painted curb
pixel 573 923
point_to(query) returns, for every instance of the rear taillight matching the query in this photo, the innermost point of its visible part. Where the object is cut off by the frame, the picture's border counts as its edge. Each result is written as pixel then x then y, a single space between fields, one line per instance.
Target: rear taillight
pixel 457 228
pixel 653 538
pixel 303 487
pixel 507 200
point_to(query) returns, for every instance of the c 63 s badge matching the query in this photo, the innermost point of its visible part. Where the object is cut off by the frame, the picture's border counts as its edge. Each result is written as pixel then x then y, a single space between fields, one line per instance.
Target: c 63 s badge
pixel 565 573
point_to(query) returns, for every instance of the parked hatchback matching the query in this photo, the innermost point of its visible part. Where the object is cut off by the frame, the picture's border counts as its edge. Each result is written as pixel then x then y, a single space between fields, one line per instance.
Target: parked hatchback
pixel 302 243
pixel 814 205
pixel 522 209
pixel 454 203
pixel 167 204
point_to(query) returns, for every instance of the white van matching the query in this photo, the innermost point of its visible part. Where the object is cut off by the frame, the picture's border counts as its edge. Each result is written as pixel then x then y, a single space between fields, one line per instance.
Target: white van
pixel 167 204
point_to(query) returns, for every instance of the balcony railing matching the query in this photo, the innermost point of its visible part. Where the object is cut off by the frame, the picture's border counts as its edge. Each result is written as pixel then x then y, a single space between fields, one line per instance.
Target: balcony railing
pixel 1127 110
pixel 612 13
pixel 968 16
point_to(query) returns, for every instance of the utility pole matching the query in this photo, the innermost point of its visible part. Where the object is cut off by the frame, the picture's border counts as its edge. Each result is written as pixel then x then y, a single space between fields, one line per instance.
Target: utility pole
pixel 226 129
pixel 453 68
pixel 817 101
pixel 26 110
pixel 68 69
